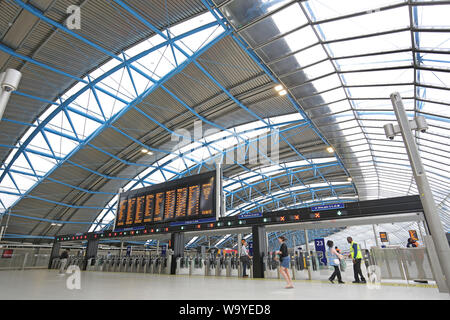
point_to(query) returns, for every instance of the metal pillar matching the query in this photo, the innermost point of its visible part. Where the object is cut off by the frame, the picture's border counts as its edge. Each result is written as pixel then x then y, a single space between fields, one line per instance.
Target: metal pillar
pixel 375 235
pixel 308 254
pixel 259 250
pixel 54 253
pixel 91 252
pixel 431 216
pixel 177 246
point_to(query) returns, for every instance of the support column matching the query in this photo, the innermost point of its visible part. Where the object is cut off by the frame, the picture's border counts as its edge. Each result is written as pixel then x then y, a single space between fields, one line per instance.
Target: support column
pixel 259 250
pixel 91 252
pixel 239 243
pixel 308 254
pixel 375 235
pixel 54 253
pixel 177 246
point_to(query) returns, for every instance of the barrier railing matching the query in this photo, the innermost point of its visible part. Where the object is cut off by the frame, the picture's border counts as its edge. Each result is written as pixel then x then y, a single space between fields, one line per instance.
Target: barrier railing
pixel 24 261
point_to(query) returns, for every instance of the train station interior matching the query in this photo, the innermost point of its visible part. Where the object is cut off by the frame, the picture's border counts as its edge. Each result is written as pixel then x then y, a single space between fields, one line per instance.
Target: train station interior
pixel 224 150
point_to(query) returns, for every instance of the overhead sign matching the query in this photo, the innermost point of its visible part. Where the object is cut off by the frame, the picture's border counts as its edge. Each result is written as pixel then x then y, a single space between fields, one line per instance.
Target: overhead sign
pixel 182 223
pixel 249 215
pixel 413 235
pixel 189 198
pixel 384 237
pixel 328 207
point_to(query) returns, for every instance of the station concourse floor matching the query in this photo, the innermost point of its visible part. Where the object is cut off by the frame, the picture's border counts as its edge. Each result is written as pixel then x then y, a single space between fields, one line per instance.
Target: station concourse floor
pixel 47 285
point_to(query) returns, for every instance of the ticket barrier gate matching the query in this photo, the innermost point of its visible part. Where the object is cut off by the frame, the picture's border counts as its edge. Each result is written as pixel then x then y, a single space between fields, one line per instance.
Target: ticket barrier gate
pixel 299 266
pixel 221 267
pixel 271 267
pixel 91 264
pixel 198 266
pixel 211 265
pixel 232 264
pixel 184 265
pixel 141 265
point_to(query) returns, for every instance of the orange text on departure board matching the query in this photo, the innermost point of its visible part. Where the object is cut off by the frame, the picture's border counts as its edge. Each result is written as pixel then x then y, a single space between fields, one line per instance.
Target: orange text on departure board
pixel 194 197
pixel 149 206
pixel 159 207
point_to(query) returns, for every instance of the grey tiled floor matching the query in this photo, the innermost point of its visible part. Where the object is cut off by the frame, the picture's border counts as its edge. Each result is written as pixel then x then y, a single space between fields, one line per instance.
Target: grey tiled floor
pixel 46 284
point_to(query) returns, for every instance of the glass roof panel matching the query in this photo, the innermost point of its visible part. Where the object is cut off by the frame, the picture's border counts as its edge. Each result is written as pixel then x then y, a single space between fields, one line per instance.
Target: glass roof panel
pixel 381 43
pixel 393 19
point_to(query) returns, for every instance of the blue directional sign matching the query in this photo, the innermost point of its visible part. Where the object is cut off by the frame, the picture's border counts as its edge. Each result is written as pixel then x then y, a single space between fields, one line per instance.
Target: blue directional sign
pixel 182 223
pixel 328 207
pixel 250 215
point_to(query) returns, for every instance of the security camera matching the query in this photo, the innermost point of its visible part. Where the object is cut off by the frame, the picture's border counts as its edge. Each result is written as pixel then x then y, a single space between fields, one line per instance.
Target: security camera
pixel 421 123
pixel 10 80
pixel 389 131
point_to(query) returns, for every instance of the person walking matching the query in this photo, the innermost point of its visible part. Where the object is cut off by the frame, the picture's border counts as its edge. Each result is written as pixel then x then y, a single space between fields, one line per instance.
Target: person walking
pixel 334 258
pixel 245 258
pixel 356 255
pixel 63 259
pixel 285 260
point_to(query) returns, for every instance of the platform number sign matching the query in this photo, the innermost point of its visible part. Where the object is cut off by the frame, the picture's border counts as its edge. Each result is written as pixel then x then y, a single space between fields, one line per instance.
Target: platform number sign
pixel 321 251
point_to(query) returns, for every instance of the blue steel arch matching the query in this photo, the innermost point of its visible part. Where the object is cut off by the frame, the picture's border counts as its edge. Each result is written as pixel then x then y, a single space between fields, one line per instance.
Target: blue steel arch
pixel 91 85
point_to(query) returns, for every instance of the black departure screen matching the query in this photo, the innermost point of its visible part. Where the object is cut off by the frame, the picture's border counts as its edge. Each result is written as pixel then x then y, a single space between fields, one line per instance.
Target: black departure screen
pixel 123 205
pixel 140 207
pixel 182 195
pixel 131 210
pixel 149 208
pixel 206 198
pixel 169 205
pixel 187 198
pixel 159 207
pixel 194 199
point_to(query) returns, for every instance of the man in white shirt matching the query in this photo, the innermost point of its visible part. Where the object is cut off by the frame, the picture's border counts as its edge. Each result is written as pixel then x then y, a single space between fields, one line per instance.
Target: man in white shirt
pixel 245 258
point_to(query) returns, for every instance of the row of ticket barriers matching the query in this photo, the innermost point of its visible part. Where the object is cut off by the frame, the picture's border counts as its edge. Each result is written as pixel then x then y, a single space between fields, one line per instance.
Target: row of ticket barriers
pixel 226 265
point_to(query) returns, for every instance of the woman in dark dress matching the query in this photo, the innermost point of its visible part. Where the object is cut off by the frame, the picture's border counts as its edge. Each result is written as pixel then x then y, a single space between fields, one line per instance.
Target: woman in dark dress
pixel 285 260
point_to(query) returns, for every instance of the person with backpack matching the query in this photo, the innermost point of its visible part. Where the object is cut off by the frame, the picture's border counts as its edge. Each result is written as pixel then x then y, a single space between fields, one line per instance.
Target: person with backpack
pixel 334 259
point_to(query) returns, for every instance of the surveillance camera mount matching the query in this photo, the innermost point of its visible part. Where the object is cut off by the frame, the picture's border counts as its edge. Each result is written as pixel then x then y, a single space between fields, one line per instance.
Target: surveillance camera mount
pixel 426 196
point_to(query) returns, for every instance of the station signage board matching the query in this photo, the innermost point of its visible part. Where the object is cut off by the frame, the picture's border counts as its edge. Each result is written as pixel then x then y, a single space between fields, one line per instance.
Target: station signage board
pixel 249 215
pixel 413 235
pixel 185 199
pixel 384 237
pixel 333 206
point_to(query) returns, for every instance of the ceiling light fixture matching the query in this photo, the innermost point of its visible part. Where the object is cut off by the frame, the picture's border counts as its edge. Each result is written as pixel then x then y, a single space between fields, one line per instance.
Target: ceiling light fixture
pixel 279 87
pixel 330 149
pixel 282 93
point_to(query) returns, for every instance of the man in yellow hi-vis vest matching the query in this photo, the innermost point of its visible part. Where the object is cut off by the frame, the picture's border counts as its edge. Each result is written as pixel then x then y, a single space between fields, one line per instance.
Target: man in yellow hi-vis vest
pixel 356 255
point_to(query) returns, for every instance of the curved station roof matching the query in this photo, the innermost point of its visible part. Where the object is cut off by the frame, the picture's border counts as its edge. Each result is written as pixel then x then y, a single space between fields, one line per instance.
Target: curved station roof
pixel 148 91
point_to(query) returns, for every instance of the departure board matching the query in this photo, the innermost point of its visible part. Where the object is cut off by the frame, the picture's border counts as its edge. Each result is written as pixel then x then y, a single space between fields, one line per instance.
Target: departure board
pixel 206 199
pixel 194 199
pixel 149 208
pixel 169 206
pixel 159 207
pixel 140 207
pixel 131 211
pixel 188 198
pixel 182 195
pixel 123 205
